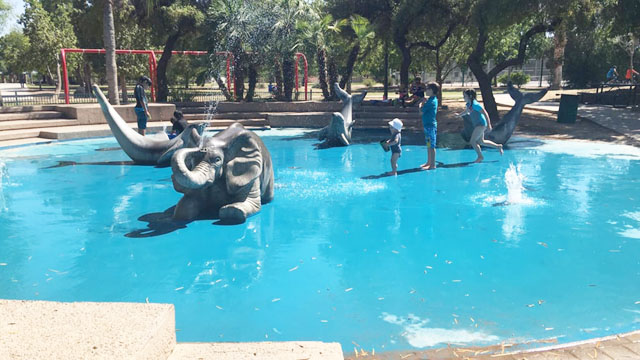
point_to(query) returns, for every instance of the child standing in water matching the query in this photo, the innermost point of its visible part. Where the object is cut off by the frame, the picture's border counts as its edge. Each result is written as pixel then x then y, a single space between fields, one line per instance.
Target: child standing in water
pixel 480 120
pixel 395 127
pixel 428 110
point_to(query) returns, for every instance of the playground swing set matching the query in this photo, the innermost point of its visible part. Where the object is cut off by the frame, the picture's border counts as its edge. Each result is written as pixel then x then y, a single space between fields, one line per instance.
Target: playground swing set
pixel 153 67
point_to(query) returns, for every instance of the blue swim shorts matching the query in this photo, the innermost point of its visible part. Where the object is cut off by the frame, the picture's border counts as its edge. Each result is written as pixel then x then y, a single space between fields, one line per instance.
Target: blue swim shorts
pixel 430 134
pixel 142 118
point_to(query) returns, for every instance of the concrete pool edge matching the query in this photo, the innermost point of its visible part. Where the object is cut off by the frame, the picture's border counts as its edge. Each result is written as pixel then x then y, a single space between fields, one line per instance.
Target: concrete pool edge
pixel 34 329
pixel 49 329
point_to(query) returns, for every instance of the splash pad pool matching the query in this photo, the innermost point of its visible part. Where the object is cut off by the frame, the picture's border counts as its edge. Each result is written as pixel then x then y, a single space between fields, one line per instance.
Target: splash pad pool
pixel 538 244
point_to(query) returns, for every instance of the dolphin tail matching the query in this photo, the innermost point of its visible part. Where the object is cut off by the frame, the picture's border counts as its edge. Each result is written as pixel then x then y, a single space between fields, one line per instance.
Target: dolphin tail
pixel 357 99
pixel 533 97
pixel 515 94
pixel 343 95
pixel 527 98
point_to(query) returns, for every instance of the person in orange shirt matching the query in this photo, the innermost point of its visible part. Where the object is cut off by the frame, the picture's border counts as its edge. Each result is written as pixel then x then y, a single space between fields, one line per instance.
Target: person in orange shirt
pixel 631 74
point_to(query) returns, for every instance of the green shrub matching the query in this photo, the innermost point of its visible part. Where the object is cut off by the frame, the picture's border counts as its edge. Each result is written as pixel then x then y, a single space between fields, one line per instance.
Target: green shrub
pixel 181 95
pixel 369 82
pixel 518 78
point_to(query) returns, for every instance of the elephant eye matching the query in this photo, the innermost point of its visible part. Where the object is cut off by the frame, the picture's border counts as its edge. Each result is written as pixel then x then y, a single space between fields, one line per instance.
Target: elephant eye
pixel 217 159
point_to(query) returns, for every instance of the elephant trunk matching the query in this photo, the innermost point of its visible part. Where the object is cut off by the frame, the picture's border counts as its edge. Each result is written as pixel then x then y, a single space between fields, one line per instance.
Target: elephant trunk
pixel 190 168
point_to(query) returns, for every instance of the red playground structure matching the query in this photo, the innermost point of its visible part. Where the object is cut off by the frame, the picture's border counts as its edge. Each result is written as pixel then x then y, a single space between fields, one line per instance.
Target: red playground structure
pixel 153 65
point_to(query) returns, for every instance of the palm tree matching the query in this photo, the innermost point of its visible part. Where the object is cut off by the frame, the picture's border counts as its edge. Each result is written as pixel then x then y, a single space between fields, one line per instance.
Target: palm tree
pixel 109 36
pixel 362 31
pixel 317 32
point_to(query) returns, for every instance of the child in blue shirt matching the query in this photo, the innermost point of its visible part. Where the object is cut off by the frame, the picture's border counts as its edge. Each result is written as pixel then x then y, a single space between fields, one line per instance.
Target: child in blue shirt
pixel 481 121
pixel 395 127
pixel 428 110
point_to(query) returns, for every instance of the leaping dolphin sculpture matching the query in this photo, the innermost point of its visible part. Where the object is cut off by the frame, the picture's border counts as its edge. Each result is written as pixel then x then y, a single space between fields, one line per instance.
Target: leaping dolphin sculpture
pixel 147 150
pixel 503 130
pixel 338 132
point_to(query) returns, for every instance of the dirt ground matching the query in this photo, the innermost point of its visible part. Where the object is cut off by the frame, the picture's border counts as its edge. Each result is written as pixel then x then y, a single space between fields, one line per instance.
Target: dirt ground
pixel 538 124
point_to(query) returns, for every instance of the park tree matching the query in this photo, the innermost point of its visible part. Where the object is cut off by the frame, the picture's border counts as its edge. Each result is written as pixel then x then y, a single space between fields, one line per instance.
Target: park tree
pixel 13 47
pixel 170 21
pixel 5 10
pixel 47 32
pixel 317 33
pixel 490 18
pixel 627 27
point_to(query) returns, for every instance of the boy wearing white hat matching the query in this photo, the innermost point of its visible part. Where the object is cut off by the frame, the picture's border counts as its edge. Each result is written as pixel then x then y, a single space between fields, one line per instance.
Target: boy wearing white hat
pixel 395 127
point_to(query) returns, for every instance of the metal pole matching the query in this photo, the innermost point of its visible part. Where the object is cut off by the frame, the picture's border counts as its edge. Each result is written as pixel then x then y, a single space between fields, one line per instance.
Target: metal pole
pixel 541 70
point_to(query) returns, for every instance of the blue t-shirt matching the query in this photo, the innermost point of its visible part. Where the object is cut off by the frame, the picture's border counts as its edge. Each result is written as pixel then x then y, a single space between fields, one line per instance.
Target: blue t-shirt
pixel 478 119
pixel 610 73
pixel 141 97
pixel 429 110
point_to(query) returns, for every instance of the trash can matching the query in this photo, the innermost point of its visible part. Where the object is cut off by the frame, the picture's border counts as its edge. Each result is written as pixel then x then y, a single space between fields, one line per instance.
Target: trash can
pixel 568 109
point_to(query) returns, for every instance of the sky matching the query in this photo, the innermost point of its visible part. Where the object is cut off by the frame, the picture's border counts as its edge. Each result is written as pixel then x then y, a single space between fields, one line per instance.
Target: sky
pixel 17 8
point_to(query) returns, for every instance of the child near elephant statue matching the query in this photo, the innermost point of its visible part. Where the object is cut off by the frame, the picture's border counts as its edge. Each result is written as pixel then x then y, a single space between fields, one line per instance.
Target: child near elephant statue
pixel 394 143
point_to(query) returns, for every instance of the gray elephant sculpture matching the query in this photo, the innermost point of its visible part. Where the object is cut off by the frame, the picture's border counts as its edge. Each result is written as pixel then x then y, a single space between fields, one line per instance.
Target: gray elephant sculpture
pixel 338 132
pixel 149 150
pixel 503 130
pixel 230 173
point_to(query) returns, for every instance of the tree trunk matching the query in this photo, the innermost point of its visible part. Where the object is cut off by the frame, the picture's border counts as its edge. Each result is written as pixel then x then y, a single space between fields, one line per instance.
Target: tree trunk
pixel 560 42
pixel 484 82
pixel 163 64
pixel 239 74
pixel 404 67
pixel 321 56
pixel 288 74
pixel 439 78
pixel 223 88
pixel 278 75
pixel 109 36
pixel 253 80
pixel 59 76
pixel 351 62
pixel 332 71
pixel 123 88
pixel 385 96
pixel 87 78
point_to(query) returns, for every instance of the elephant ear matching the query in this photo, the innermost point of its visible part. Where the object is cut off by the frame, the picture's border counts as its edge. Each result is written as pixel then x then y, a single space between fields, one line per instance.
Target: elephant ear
pixel 245 162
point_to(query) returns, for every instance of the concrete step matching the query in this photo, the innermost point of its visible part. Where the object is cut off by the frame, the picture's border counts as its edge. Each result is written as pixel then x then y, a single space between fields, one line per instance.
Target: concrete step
pixel 30 124
pixel 372 108
pixel 34 115
pixel 56 330
pixel 244 122
pixel 288 350
pixel 386 115
pixel 193 110
pixel 22 109
pixel 228 115
pixel 19 134
pixel 94 130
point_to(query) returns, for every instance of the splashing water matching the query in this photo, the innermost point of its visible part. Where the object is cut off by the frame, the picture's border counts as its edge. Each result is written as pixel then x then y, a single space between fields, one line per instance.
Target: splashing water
pixel 514 178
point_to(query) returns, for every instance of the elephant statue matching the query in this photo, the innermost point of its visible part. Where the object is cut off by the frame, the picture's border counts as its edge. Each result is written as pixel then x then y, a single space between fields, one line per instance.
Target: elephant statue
pixel 338 132
pixel 149 150
pixel 229 174
pixel 501 132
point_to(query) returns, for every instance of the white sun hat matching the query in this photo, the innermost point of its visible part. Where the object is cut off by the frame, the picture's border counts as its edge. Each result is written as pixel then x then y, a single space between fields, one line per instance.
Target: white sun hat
pixel 396 124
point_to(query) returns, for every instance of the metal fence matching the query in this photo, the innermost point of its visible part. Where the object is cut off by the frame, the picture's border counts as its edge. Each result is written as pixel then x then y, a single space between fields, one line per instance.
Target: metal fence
pixel 16 98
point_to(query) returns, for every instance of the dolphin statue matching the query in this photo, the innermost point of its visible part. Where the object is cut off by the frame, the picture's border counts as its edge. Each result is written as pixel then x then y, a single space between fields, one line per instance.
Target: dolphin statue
pixel 338 132
pixel 501 132
pixel 148 150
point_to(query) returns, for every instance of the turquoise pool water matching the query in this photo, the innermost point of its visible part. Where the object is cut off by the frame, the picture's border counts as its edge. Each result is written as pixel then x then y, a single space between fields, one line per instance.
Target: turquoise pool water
pixel 418 260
